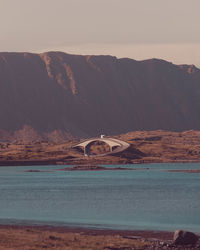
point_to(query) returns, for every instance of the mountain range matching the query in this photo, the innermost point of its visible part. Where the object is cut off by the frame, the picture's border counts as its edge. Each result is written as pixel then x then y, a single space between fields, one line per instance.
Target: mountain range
pixel 55 96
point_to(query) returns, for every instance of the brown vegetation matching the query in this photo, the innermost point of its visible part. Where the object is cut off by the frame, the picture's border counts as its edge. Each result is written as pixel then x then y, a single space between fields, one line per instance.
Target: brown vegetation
pixel 98 147
pixel 145 147
pixel 16 237
pixel 60 238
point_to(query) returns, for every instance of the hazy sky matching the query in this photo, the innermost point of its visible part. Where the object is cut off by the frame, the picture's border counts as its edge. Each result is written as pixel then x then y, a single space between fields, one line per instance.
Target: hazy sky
pixel 139 29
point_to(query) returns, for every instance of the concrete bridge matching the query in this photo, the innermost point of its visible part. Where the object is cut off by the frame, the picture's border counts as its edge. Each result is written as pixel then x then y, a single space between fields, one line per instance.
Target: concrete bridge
pixel 115 145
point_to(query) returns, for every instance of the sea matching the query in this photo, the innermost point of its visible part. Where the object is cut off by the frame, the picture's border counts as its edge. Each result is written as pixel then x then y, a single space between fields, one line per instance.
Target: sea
pixel 150 197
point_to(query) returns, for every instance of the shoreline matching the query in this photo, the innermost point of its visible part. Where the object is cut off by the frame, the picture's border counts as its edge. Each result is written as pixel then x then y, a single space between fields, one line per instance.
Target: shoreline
pixel 58 237
pixel 62 237
pixel 162 235
pixel 56 163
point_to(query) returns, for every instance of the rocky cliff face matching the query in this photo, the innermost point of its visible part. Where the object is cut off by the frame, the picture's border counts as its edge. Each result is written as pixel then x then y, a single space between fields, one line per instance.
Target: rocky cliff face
pixel 57 95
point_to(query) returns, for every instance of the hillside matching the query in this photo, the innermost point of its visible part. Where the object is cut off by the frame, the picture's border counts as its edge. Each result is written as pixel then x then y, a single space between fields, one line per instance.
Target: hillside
pixel 145 147
pixel 56 96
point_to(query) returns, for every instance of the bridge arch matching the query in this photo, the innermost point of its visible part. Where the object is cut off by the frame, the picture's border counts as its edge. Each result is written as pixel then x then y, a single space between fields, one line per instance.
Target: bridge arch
pixel 111 142
pixel 101 142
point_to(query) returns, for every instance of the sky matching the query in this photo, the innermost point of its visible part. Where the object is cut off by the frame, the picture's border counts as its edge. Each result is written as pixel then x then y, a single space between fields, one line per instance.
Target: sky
pixel 138 29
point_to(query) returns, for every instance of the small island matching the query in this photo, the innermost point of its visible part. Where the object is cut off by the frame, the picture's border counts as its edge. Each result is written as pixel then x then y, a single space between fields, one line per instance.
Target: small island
pixel 93 168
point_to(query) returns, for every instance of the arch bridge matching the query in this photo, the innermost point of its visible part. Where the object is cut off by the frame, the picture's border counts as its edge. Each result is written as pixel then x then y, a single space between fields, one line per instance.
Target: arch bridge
pixel 115 145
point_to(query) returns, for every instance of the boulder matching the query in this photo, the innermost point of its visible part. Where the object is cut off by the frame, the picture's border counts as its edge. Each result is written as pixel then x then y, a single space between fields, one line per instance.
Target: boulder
pixel 185 238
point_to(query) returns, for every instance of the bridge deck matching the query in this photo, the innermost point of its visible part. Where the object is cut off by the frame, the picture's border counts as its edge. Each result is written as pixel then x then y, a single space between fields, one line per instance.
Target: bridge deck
pixel 110 142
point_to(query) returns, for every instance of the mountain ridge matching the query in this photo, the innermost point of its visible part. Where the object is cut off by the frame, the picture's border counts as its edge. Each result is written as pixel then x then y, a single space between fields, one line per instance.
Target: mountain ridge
pixel 85 96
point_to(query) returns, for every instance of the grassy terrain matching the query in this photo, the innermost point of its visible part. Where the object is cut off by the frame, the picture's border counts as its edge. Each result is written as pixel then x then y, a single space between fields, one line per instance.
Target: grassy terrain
pixel 145 147
pixel 20 237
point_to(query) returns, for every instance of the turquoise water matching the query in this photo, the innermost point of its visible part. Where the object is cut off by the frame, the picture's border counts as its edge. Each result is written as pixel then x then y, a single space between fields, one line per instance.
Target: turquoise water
pixel 143 199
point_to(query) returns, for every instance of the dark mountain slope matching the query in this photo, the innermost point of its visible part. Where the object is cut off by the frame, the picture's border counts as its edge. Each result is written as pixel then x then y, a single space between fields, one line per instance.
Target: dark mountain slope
pixel 89 95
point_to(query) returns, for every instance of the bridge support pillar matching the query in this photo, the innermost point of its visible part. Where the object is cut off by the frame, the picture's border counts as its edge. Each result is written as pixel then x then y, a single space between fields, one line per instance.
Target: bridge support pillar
pixel 84 149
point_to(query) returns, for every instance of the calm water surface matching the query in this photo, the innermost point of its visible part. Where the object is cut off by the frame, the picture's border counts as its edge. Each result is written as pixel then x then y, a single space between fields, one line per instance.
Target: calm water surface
pixel 143 199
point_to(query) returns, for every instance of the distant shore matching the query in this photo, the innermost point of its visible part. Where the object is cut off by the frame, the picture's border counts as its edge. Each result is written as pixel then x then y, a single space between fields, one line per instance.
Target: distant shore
pixel 27 163
pixel 47 163
pixel 145 147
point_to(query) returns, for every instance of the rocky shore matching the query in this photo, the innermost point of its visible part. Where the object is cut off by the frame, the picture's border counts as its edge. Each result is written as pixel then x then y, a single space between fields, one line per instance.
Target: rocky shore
pixel 192 171
pixel 94 168
pixel 46 237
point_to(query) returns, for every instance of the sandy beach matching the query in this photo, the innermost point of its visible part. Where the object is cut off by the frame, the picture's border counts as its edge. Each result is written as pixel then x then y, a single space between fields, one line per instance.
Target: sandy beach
pixel 47 237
